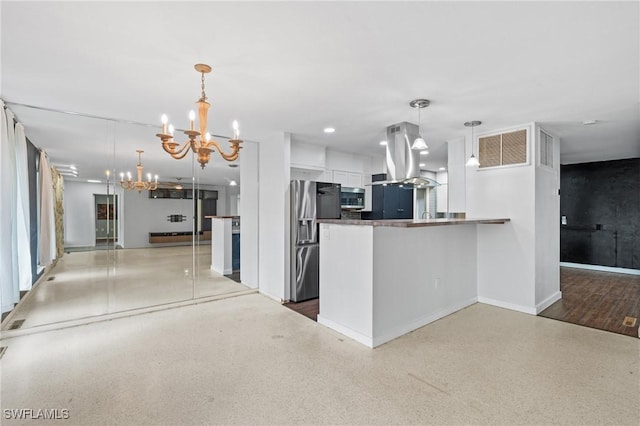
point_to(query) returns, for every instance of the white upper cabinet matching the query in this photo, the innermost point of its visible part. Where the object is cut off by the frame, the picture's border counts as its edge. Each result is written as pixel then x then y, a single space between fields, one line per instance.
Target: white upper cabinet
pixel 341 177
pixel 354 180
pixel 307 156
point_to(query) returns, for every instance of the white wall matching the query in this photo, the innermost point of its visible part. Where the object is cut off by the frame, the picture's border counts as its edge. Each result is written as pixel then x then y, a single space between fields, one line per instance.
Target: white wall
pixel 142 215
pixel 547 228
pixel 249 214
pixel 442 191
pixel 138 214
pixel 518 263
pixel 79 212
pixel 431 284
pixel 273 225
pixel 458 153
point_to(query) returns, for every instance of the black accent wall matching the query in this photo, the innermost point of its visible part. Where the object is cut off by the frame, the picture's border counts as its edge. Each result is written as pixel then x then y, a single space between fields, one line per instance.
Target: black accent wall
pixel 601 202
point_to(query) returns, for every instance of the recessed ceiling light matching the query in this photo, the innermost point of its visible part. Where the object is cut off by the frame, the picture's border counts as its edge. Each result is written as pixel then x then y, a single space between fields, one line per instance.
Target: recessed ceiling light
pixel 383 143
pixel 329 130
pixel 587 122
pixel 424 152
pixel 94 181
pixel 442 168
pixel 422 165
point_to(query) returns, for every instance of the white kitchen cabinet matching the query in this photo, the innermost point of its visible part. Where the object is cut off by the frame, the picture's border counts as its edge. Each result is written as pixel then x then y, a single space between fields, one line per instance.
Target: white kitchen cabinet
pixel 355 180
pixel 327 176
pixel 341 177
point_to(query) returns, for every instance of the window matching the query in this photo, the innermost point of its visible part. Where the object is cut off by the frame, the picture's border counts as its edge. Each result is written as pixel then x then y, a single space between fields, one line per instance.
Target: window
pixel 503 149
pixel 546 149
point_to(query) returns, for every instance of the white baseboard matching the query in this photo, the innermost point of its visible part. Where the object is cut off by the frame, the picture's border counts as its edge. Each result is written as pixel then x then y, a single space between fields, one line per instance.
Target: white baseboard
pixel 507 305
pixel 223 272
pixel 420 322
pixel 358 337
pixel 548 301
pixel 277 299
pixel 601 268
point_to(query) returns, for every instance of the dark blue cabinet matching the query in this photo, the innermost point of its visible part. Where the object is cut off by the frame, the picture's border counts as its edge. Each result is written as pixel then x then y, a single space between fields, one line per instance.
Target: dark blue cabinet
pixel 235 252
pixel 390 201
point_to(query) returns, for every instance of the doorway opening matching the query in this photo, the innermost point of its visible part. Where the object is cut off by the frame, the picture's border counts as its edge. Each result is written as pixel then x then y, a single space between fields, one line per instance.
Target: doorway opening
pixel 106 220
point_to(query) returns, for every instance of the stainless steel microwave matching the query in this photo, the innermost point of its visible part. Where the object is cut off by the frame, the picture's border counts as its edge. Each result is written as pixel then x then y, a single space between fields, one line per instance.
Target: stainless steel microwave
pixel 352 198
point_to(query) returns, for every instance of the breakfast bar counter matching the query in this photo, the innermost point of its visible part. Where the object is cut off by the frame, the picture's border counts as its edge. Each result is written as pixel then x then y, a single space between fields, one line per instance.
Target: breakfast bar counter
pixel 380 279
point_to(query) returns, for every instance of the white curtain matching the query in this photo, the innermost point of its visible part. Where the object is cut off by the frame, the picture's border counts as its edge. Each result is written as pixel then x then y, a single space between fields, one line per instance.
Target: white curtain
pixel 9 290
pixel 47 238
pixel 23 217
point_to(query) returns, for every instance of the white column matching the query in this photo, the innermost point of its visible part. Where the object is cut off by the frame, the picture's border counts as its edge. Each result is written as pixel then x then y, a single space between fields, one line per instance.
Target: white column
pixel 249 214
pixel 274 172
pixel 221 245
pixel 456 184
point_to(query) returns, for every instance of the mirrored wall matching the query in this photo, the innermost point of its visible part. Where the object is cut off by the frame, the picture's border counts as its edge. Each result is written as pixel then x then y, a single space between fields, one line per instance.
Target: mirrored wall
pixel 128 246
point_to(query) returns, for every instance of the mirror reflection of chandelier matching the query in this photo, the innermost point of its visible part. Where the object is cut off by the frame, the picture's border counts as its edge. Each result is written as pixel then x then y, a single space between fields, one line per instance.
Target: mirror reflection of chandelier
pixel 139 185
pixel 199 141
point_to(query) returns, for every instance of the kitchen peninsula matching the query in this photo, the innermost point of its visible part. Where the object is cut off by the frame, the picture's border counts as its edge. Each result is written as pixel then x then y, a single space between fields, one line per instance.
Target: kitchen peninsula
pixel 225 243
pixel 380 279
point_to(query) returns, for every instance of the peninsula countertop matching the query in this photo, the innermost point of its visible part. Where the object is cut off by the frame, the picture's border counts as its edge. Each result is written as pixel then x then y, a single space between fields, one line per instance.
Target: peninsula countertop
pixel 413 223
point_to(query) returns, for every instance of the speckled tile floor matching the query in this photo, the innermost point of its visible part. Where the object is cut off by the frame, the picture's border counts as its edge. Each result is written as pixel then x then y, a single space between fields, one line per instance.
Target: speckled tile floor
pixel 92 283
pixel 249 360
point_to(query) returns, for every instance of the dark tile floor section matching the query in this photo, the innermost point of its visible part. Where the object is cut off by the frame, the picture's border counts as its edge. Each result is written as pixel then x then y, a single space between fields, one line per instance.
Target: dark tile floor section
pixel 234 276
pixel 597 299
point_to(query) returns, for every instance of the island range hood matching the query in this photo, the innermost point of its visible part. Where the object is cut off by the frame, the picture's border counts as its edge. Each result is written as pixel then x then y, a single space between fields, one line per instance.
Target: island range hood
pixel 403 163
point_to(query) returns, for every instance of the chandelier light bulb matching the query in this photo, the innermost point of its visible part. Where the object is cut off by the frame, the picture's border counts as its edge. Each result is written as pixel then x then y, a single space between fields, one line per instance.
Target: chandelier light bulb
pixel 207 136
pixel 171 129
pixel 149 177
pixel 236 131
pixel 156 176
pixel 129 175
pixel 192 119
pixel 121 176
pixel 165 120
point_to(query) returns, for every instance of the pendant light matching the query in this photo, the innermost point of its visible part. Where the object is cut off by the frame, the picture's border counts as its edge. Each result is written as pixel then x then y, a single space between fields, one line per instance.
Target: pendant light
pixel 472 161
pixel 419 143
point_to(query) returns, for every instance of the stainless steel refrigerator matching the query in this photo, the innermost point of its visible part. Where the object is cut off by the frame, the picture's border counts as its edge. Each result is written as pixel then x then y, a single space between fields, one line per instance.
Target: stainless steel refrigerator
pixel 309 201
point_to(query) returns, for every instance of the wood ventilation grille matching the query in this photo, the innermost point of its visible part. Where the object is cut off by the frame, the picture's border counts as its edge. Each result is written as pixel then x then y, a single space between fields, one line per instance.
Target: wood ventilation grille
pixel 503 149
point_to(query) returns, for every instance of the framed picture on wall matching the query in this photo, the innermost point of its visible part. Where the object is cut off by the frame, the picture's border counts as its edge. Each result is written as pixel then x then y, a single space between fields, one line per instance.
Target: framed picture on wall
pixel 101 212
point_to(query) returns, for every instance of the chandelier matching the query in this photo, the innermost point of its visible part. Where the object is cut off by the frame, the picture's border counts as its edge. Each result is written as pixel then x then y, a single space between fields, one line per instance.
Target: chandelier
pixel 139 184
pixel 200 142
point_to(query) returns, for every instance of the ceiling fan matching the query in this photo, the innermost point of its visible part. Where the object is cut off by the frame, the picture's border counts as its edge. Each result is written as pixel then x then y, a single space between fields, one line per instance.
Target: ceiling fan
pixel 178 185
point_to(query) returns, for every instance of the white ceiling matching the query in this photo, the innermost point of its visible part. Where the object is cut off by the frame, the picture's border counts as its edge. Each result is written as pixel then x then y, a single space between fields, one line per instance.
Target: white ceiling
pixel 301 66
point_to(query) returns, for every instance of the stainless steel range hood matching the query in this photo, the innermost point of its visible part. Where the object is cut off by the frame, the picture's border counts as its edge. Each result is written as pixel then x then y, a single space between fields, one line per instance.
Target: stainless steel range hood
pixel 403 163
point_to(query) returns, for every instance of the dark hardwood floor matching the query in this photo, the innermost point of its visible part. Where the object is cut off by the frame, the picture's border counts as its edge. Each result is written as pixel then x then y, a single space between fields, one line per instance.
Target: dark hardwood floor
pixel 601 300
pixel 308 308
